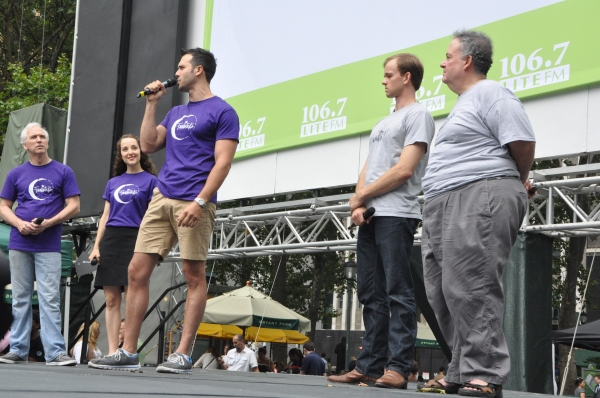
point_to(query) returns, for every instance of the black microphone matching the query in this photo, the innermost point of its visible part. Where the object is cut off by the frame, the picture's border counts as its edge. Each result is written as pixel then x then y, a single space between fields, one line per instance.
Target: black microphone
pixel 366 215
pixel 94 261
pixel 38 220
pixel 166 83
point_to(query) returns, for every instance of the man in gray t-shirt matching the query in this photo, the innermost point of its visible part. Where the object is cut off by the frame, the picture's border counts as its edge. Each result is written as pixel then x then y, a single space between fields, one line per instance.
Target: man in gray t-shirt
pixel 476 190
pixel 390 182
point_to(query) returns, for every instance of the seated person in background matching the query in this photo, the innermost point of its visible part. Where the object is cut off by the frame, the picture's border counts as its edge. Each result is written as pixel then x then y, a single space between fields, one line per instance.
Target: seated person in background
pixel 264 362
pixel 92 349
pixel 36 349
pixel 241 358
pixel 413 375
pixel 312 364
pixel 295 363
pixel 351 364
pixel 208 360
pixel 440 374
pixel 279 367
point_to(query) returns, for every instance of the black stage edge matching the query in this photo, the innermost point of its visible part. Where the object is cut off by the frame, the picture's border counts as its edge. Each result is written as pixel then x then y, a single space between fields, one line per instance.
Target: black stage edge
pixel 121 46
pixel 39 380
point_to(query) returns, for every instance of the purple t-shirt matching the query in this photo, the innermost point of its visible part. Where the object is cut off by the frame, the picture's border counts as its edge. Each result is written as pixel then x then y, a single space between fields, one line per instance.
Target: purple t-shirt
pixel 192 132
pixel 129 195
pixel 40 192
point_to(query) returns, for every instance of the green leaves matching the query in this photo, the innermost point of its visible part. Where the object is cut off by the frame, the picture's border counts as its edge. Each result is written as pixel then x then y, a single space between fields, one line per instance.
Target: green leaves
pixel 37 85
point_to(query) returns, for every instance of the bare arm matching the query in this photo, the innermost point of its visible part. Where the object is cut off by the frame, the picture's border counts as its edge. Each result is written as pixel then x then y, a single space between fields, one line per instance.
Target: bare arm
pixel 7 214
pixel 523 153
pixel 394 177
pixel 100 234
pixel 255 369
pixel 224 151
pixel 153 137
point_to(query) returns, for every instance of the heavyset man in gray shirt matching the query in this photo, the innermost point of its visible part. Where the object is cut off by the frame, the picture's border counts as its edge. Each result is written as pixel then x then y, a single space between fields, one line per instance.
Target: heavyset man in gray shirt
pixel 476 191
pixel 390 182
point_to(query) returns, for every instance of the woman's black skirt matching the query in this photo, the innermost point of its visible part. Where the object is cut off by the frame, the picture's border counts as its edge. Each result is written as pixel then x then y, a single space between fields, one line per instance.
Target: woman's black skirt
pixel 116 250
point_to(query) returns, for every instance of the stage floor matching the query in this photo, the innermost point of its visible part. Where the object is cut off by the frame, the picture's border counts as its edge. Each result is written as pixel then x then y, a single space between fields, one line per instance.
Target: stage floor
pixel 39 380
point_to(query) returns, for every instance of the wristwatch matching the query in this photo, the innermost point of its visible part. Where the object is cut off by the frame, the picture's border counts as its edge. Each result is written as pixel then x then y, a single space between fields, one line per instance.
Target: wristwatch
pixel 200 202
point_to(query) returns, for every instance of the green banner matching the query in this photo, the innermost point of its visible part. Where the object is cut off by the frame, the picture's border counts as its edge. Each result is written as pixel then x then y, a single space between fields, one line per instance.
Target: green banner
pixel 274 323
pixel 543 51
pixel 426 343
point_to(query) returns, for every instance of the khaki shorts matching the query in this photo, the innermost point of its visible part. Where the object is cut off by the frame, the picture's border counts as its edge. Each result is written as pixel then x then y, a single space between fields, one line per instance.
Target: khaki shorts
pixel 159 230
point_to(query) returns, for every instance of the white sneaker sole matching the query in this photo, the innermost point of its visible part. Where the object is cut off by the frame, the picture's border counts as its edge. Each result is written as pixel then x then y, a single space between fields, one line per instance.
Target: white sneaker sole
pixel 108 367
pixel 65 363
pixel 164 369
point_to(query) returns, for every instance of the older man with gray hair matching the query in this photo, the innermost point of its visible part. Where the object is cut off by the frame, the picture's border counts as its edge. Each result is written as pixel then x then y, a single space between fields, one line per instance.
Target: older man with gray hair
pixel 476 188
pixel 42 186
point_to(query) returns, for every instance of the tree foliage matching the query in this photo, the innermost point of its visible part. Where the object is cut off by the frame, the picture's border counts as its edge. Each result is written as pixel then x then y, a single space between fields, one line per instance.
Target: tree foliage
pixel 36 45
pixel 35 32
pixel 39 84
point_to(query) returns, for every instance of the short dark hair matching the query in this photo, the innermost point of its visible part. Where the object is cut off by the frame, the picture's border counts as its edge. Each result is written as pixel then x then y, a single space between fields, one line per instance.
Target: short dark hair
pixel 240 338
pixel 35 315
pixel 204 58
pixel 309 346
pixel 442 369
pixel 414 369
pixel 263 349
pixel 479 46
pixel 409 63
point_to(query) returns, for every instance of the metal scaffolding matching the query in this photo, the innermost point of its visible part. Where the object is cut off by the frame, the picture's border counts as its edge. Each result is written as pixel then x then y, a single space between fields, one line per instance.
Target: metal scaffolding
pixel 295 227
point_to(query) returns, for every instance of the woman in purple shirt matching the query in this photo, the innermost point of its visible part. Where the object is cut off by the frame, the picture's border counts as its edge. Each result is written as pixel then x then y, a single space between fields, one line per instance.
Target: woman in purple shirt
pixel 127 196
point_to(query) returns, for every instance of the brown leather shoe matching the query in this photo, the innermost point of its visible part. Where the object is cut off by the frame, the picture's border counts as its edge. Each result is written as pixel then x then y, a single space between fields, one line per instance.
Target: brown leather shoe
pixel 391 379
pixel 351 377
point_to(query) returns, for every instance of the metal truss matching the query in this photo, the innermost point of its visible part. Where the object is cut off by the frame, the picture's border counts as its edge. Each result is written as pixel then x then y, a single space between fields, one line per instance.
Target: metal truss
pixel 569 191
pixel 295 227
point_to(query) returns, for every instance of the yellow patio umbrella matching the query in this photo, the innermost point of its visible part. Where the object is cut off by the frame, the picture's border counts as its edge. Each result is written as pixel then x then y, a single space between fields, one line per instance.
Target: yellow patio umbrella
pixel 274 335
pixel 294 337
pixel 217 331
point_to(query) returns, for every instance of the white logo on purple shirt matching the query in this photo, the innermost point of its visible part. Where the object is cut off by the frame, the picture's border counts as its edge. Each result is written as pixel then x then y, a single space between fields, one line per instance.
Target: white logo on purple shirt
pixel 182 127
pixel 41 189
pixel 126 193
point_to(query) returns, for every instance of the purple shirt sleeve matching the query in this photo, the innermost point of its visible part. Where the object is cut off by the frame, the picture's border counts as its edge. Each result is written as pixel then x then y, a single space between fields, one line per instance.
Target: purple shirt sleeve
pixel 229 126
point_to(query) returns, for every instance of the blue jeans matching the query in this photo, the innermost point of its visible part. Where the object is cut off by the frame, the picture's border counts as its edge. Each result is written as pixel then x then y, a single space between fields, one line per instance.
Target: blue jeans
pixel 386 291
pixel 46 268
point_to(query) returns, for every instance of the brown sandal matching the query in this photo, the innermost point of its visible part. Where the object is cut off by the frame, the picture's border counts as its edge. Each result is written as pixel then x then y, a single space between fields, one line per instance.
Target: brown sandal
pixel 437 387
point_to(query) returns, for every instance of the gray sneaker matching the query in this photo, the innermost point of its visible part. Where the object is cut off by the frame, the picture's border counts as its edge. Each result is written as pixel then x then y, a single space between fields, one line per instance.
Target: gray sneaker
pixel 176 363
pixel 62 360
pixel 117 361
pixel 13 358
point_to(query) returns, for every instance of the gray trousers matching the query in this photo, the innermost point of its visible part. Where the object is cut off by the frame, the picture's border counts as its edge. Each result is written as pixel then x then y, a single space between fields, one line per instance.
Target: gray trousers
pixel 468 234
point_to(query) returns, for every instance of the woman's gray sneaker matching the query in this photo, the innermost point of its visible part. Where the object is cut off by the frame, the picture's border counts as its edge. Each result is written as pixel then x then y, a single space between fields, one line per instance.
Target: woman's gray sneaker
pixel 13 358
pixel 176 363
pixel 117 361
pixel 62 360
